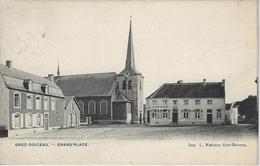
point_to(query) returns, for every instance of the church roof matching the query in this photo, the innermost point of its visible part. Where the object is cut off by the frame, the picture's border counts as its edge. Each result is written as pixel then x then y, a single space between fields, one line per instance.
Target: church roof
pixel 15 78
pixel 130 60
pixel 98 84
pixel 121 98
pixel 190 90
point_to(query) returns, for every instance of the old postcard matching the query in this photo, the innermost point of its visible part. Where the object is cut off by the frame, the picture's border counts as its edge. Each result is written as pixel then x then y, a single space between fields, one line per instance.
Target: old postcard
pixel 129 82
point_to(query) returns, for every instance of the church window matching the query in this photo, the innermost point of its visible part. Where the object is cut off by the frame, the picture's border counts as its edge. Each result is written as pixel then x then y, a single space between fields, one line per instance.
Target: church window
pixel 81 106
pixel 103 107
pixel 140 85
pixel 91 107
pixel 124 84
pixel 129 84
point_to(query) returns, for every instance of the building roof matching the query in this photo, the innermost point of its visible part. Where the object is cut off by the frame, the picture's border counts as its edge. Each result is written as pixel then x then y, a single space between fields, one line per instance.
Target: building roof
pixel 98 84
pixel 15 78
pixel 68 101
pixel 121 98
pixel 190 90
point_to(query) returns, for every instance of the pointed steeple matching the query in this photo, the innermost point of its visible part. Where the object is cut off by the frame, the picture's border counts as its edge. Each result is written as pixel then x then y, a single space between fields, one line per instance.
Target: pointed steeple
pixel 58 70
pixel 130 60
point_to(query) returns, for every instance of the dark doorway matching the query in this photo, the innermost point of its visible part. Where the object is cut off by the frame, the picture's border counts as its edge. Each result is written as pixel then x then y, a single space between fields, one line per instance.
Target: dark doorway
pixel 140 118
pixel 175 116
pixel 148 116
pixel 209 118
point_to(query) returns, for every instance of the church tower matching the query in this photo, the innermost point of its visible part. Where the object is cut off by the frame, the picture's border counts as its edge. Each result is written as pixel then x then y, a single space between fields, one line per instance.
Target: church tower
pixel 130 82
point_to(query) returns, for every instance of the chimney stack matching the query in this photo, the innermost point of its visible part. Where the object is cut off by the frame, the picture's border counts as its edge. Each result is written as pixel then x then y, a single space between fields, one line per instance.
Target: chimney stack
pixel 9 64
pixel 51 77
pixel 204 81
pixel 223 82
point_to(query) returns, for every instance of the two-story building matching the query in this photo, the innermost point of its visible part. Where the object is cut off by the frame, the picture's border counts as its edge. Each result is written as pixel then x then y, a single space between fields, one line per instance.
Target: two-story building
pixel 187 104
pixel 28 103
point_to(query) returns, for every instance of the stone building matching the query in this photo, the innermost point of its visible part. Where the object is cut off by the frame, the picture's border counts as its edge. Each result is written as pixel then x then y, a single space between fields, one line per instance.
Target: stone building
pixel 28 103
pixel 187 104
pixel 71 112
pixel 108 97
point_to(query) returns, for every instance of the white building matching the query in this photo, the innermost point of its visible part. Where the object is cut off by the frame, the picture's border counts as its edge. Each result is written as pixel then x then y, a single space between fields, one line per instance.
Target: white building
pixel 232 113
pixel 187 104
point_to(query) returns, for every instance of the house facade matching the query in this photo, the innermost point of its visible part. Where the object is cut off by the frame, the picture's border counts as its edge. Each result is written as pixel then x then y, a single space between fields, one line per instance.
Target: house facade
pixel 108 97
pixel 28 103
pixel 187 104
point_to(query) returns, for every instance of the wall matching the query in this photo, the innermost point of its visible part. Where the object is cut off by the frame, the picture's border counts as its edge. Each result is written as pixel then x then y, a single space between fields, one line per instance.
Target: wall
pixel 135 94
pixel 55 117
pixel 74 111
pixel 97 115
pixel 4 105
pixel 218 103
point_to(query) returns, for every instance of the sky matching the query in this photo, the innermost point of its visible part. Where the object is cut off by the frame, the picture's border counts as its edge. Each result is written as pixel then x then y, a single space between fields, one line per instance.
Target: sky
pixel 173 40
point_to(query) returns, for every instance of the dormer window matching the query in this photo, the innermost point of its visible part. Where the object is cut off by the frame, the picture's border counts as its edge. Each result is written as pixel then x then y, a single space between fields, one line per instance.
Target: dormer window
pixel 45 88
pixel 28 84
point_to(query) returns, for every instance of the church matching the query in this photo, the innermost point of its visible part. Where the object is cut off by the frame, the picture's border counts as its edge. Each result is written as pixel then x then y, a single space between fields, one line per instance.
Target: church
pixel 107 97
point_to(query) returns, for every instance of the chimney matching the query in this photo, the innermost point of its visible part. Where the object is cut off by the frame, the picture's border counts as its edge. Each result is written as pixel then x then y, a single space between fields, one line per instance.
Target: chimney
pixel 51 77
pixel 9 64
pixel 204 81
pixel 223 82
pixel 179 82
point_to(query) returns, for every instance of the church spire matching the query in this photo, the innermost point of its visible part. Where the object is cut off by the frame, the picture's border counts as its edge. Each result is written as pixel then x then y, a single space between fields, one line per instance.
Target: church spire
pixel 130 61
pixel 58 70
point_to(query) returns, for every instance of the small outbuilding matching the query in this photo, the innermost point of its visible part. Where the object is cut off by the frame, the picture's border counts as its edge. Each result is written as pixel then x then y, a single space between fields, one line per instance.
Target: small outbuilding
pixel 71 112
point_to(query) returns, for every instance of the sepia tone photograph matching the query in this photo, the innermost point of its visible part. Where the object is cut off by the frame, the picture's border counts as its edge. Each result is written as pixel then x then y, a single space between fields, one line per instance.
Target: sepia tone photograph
pixel 129 82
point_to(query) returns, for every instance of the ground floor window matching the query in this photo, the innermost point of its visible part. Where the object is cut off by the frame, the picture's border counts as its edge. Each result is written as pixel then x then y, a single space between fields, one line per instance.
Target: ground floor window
pixel 17 121
pixel 29 120
pixel 165 114
pixel 38 119
pixel 219 113
pixel 197 114
pixel 186 113
pixel 154 115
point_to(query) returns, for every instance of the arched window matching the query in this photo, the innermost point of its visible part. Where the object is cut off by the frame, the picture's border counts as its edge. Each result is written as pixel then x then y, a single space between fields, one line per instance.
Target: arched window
pixel 38 102
pixel 91 107
pixel 124 84
pixel 103 107
pixel 81 106
pixel 17 100
pixel 129 84
pixel 29 101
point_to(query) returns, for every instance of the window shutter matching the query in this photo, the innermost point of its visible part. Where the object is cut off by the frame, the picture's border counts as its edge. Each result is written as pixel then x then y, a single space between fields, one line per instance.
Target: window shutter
pixel 13 121
pixel 41 119
pixel 26 119
pixel 34 119
pixel 22 120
